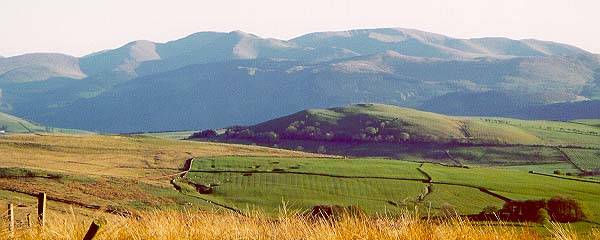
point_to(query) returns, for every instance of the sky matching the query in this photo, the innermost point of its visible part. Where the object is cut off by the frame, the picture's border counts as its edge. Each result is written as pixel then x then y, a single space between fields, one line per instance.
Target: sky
pixel 80 27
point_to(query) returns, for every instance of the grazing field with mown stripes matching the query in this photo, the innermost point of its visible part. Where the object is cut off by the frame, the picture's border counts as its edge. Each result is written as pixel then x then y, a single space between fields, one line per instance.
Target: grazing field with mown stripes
pixel 379 186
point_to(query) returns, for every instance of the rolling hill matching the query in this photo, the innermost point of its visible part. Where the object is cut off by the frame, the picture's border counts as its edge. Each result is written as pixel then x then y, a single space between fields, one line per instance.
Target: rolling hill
pixel 377 130
pixel 38 67
pixel 125 59
pixel 12 124
pixel 391 124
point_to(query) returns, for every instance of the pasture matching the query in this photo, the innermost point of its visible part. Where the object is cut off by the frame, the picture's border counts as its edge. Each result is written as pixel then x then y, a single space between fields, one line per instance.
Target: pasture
pixel 587 159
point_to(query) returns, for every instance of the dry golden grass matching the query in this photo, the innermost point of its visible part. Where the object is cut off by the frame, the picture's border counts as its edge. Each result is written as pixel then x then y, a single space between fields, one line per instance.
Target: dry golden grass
pixel 122 156
pixel 108 169
pixel 205 225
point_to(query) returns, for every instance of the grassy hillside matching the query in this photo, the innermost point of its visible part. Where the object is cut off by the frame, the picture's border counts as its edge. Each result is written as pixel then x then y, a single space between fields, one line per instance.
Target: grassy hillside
pixel 174 135
pixel 586 159
pixel 15 124
pixel 120 173
pixel 106 172
pixel 390 124
pixel 12 124
pixel 39 67
pixel 591 122
pixel 377 185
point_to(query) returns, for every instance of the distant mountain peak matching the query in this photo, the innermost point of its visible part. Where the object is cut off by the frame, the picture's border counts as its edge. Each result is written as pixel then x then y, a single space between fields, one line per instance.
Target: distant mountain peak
pixel 39 67
pixel 412 42
pixel 123 59
pixel 241 33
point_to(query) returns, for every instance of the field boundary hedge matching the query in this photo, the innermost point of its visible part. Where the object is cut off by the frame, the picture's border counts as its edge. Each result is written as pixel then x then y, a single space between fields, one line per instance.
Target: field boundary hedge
pixel 566 178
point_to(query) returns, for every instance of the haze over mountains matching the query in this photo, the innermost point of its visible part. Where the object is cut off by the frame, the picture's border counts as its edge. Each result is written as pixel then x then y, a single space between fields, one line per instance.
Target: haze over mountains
pixel 212 79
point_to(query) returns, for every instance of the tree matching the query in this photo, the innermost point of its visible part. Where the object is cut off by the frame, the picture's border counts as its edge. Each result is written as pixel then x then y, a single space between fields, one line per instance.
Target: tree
pixel 310 132
pixel 543 217
pixel 371 131
pixel 321 149
pixel 246 133
pixel 403 136
pixel 329 136
pixel 562 209
pixel 360 137
pixel 204 134
pixel 267 137
pixel 291 129
pixel 490 210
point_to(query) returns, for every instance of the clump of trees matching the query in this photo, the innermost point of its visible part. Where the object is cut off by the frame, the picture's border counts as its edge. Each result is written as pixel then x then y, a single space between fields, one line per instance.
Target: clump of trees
pixel 558 209
pixel 593 172
pixel 359 129
pixel 247 133
pixel 267 137
pixel 208 133
pixel 373 131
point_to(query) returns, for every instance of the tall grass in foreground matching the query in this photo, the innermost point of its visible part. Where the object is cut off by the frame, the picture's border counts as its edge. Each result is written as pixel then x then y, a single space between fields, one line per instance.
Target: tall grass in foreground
pixel 205 225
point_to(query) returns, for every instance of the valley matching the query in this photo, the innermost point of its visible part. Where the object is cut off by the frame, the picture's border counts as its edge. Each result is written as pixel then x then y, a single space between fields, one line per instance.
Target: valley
pixel 360 134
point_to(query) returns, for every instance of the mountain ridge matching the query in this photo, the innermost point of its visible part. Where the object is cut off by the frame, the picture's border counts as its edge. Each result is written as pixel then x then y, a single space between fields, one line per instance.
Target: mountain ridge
pixel 235 76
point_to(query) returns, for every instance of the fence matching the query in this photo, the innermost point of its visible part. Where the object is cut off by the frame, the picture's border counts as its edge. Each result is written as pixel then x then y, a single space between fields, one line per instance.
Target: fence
pixel 41 216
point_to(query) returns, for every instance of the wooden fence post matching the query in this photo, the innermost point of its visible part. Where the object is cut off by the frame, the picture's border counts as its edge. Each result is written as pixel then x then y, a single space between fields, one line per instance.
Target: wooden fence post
pixel 11 220
pixel 92 231
pixel 29 220
pixel 42 209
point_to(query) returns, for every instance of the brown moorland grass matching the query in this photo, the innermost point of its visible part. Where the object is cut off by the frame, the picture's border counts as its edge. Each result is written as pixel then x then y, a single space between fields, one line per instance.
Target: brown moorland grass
pixel 176 225
pixel 115 155
pixel 108 169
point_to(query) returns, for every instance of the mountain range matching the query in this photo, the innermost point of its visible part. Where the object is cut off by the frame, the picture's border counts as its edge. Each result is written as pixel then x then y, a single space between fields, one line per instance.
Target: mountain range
pixel 214 79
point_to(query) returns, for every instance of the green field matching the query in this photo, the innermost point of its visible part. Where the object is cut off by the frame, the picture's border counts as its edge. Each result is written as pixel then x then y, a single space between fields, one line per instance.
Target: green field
pixel 175 135
pixel 553 132
pixel 268 191
pixel 339 167
pixel 587 159
pixel 465 200
pixel 590 122
pixel 547 168
pixel 377 185
pixel 518 185
pixel 506 155
pixel 304 182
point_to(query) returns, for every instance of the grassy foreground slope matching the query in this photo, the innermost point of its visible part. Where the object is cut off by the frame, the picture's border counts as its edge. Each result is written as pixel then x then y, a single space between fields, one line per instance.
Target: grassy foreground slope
pixel 106 171
pixel 379 186
pixel 213 226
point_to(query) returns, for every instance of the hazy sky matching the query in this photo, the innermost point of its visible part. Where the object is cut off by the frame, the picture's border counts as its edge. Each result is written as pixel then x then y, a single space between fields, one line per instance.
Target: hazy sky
pixel 80 27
